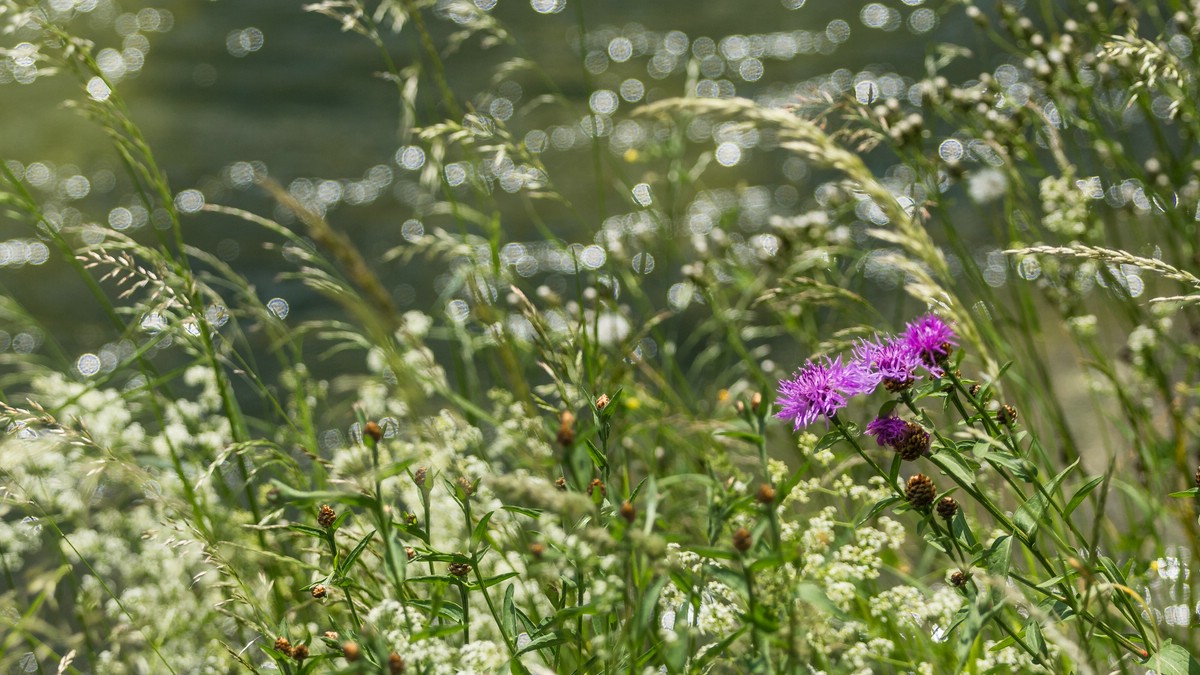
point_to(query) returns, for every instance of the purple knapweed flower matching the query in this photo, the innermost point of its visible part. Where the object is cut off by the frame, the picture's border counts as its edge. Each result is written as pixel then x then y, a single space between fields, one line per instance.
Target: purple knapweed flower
pixel 887 430
pixel 821 388
pixel 892 358
pixel 932 340
pixel 907 438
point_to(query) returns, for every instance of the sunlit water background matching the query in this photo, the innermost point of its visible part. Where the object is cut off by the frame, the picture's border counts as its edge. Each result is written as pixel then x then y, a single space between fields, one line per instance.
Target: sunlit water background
pixel 224 90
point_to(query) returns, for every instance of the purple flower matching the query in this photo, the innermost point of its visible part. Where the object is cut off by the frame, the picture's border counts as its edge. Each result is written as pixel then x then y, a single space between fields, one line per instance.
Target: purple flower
pixel 908 438
pixel 892 358
pixel 932 340
pixel 822 388
pixel 887 430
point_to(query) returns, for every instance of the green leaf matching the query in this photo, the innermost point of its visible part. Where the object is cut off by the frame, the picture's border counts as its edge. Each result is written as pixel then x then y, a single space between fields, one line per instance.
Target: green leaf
pixel 310 531
pixel 712 552
pixel 358 549
pixel 956 466
pixel 980 611
pixel 439 631
pixel 524 511
pixel 717 649
pixel 480 530
pixel 961 530
pixel 598 459
pixel 874 510
pixel 999 556
pixel 894 470
pixel 448 611
pixel 394 469
pixel 1173 660
pixel 1082 493
pixel 1194 492
pixel 750 437
pixel 1019 466
pixel 1029 516
pixel 645 615
pixel 321 496
pixel 1033 636
pixel 492 581
pixel 541 642
pixel 814 595
pixel 508 612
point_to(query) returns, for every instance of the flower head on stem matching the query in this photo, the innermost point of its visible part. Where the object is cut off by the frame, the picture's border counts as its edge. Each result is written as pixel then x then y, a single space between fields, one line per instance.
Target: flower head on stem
pixel 932 340
pixel 821 388
pixel 892 358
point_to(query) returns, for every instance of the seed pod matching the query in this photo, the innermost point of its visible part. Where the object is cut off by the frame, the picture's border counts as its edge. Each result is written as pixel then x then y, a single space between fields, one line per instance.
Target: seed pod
pixel 372 431
pixel 1007 415
pixel 465 485
pixel 628 512
pixel 326 515
pixel 947 507
pixel 742 539
pixel 766 494
pixel 566 428
pixel 920 491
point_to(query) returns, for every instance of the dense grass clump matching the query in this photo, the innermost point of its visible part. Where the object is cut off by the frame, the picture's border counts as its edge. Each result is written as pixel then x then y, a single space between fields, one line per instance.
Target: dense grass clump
pixel 687 370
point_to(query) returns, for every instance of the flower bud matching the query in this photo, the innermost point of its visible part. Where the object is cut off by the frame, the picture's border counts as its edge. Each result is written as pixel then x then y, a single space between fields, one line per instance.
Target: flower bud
pixel 766 494
pixel 947 507
pixel 742 539
pixel 920 491
pixel 628 512
pixel 1007 415
pixel 326 515
pixel 372 431
pixel 566 429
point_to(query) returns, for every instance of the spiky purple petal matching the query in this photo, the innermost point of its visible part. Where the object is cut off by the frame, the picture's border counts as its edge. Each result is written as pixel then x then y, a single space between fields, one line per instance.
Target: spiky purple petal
pixel 932 339
pixel 887 430
pixel 821 388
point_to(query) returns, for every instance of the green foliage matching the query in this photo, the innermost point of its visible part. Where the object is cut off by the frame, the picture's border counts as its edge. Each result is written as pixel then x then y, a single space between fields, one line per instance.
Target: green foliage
pixel 563 463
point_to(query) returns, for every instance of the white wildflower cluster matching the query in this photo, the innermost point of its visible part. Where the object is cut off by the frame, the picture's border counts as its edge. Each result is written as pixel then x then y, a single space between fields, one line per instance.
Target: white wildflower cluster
pixel 104 413
pixel 409 360
pixel 1083 326
pixel 519 434
pixel 907 606
pixel 1142 339
pixel 875 490
pixel 1064 205
pixel 802 491
pixel 103 516
pixel 720 610
pixel 987 185
pixel 1006 660
pixel 861 655
pixel 194 424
